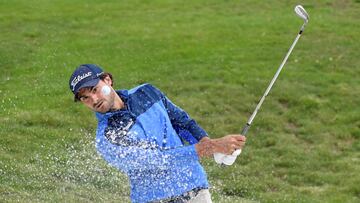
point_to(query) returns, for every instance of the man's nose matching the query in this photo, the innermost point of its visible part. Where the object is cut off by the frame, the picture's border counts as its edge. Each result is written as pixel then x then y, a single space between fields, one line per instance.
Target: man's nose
pixel 95 98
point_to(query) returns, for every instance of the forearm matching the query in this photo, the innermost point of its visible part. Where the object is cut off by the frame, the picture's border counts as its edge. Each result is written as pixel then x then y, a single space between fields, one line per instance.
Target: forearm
pixel 205 147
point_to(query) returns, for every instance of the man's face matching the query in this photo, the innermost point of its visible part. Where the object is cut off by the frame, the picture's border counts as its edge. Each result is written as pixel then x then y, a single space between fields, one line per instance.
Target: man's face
pixel 95 99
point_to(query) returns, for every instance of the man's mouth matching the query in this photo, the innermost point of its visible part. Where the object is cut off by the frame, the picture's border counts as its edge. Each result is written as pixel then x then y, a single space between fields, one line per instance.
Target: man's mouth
pixel 99 104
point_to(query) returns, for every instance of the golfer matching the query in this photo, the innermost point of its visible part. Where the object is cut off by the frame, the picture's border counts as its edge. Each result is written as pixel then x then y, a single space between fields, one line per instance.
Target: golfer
pixel 144 135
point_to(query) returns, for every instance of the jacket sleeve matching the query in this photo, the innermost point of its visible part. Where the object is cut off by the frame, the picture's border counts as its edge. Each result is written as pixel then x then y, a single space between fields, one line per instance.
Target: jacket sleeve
pixel 138 157
pixel 181 121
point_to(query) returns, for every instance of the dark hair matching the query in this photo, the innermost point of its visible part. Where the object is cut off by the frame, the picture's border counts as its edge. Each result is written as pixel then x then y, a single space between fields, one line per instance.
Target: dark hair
pixel 102 77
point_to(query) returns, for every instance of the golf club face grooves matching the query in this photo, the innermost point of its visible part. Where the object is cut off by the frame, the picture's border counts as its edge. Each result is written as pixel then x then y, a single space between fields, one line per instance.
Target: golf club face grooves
pixel 301 12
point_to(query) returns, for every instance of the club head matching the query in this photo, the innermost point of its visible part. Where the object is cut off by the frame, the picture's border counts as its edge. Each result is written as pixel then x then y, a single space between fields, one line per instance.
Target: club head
pixel 300 11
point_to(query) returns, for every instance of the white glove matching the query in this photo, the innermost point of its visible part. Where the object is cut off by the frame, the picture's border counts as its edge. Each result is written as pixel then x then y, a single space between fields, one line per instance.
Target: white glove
pixel 227 159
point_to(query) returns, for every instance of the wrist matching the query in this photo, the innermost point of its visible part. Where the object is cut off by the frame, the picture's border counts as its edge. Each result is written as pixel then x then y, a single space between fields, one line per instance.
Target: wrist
pixel 205 147
pixel 205 138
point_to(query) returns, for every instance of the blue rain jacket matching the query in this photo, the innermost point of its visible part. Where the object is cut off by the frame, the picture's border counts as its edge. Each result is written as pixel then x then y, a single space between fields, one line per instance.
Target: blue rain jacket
pixel 146 140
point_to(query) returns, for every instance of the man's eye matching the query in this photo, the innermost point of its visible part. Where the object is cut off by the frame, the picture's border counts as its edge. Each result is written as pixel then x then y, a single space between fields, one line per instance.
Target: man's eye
pixel 83 98
pixel 94 90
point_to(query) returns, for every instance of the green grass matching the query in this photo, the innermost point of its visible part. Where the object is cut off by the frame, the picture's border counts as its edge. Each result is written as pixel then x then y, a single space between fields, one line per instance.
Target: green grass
pixel 214 59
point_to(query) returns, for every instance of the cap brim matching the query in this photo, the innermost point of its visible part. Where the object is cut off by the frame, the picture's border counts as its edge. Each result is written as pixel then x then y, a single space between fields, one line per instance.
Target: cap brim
pixel 90 83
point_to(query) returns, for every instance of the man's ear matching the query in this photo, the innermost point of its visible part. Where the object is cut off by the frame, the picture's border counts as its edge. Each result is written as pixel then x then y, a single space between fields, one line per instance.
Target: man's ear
pixel 108 80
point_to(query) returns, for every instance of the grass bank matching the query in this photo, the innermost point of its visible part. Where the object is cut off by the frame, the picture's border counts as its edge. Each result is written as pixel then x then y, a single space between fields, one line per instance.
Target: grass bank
pixel 214 59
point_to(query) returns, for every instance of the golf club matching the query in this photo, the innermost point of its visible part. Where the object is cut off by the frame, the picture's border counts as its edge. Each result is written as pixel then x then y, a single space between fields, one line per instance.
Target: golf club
pixel 230 159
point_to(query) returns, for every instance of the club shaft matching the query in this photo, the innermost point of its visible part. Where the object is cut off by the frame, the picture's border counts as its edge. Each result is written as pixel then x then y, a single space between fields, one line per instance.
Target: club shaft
pixel 248 124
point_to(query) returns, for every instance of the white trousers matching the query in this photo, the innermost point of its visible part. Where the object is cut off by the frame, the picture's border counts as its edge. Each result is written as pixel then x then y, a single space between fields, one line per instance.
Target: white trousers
pixel 202 197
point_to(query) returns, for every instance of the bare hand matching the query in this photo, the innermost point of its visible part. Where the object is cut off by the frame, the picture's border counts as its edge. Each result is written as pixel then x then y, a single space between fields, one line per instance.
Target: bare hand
pixel 229 143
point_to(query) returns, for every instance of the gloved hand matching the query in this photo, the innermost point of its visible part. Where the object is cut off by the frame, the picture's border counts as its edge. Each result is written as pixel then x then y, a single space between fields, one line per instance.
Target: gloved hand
pixel 226 159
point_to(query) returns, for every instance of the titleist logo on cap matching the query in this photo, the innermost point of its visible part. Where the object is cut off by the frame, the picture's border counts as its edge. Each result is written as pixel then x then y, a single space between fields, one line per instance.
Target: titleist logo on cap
pixel 77 79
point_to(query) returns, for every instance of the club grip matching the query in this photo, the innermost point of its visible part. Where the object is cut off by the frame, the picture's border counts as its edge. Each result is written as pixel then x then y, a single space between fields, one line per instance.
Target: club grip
pixel 245 129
